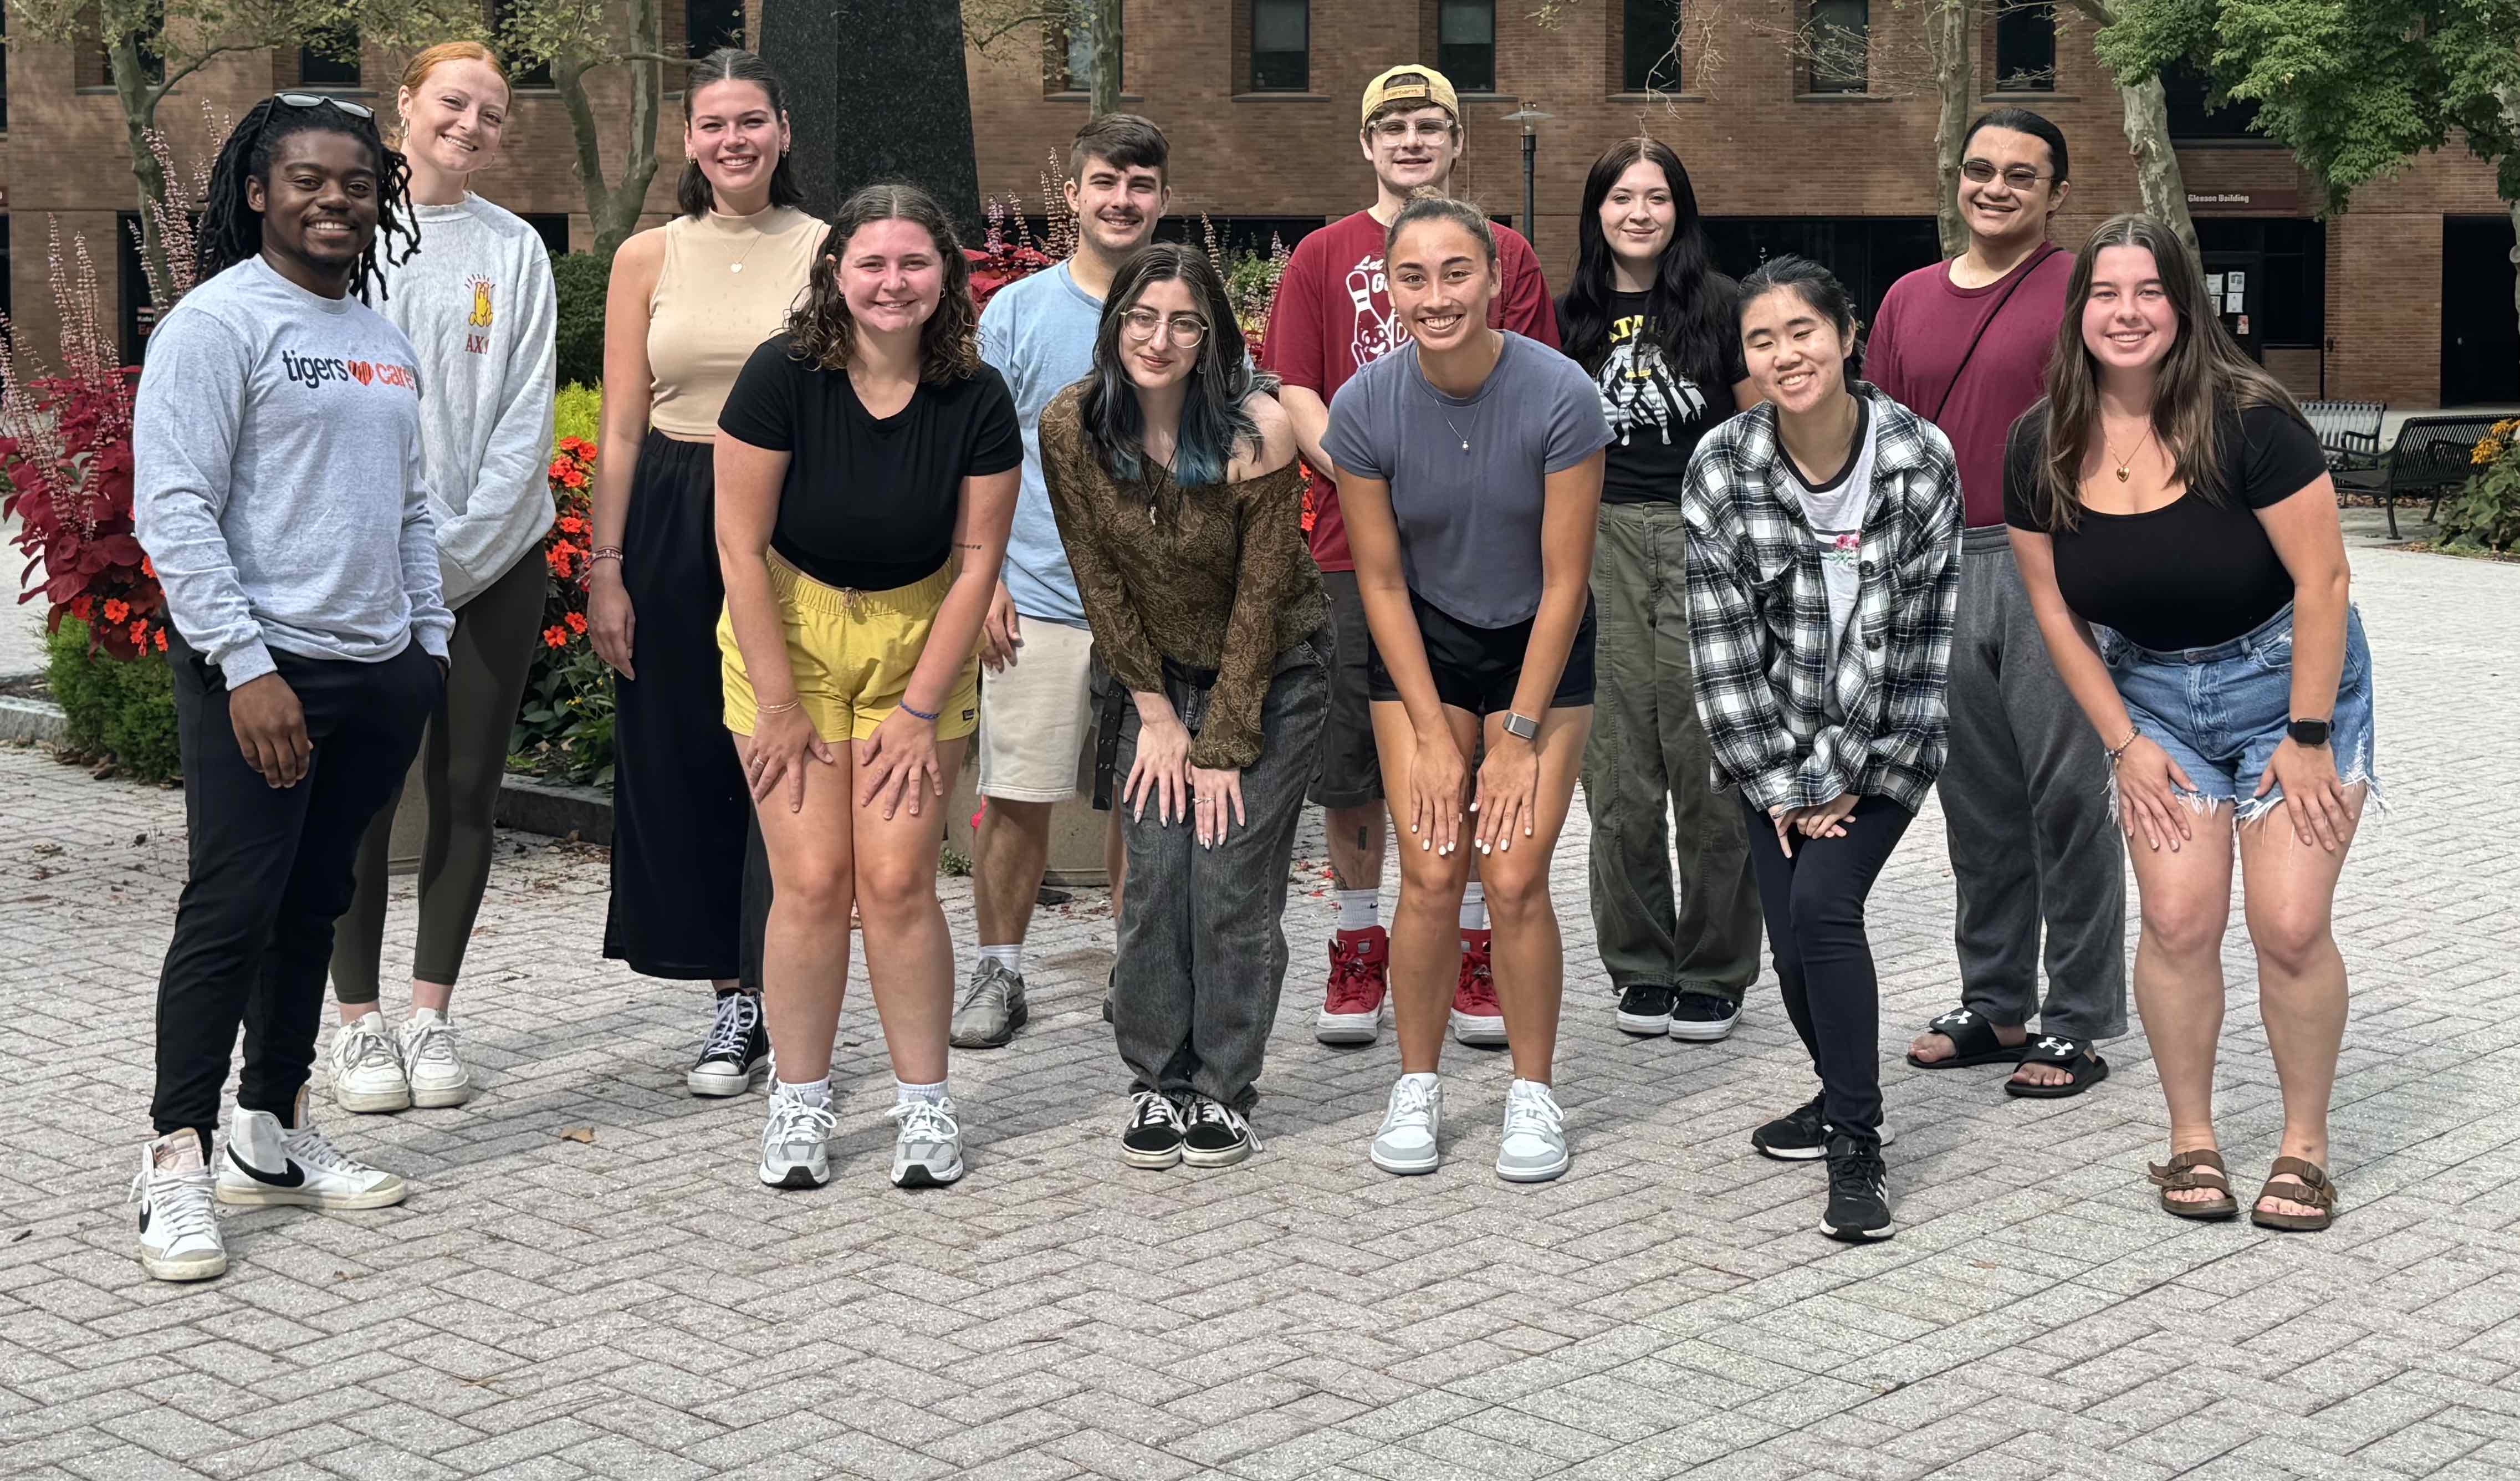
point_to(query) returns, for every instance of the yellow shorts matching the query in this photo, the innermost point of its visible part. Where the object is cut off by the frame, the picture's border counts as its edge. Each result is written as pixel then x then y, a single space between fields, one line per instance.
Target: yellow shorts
pixel 851 653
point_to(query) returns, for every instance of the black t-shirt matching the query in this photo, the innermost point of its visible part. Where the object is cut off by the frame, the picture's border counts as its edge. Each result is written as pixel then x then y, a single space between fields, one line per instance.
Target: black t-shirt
pixel 869 505
pixel 1656 413
pixel 2195 572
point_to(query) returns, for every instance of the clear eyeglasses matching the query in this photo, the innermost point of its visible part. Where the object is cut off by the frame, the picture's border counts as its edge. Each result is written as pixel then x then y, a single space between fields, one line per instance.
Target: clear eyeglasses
pixel 1181 331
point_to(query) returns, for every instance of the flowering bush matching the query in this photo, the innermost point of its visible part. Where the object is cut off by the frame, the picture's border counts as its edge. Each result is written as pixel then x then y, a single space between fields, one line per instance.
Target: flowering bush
pixel 564 726
pixel 2485 514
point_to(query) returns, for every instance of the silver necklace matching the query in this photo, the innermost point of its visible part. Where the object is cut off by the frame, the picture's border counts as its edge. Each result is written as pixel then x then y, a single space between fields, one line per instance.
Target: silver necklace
pixel 1440 409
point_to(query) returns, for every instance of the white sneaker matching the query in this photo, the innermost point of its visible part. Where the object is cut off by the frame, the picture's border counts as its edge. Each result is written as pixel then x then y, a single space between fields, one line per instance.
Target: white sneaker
pixel 927 1151
pixel 1534 1147
pixel 367 1067
pixel 430 1062
pixel 1405 1143
pixel 796 1149
pixel 269 1163
pixel 179 1230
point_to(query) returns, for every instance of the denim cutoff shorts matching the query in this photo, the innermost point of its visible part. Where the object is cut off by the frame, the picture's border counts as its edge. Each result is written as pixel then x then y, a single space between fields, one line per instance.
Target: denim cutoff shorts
pixel 2220 711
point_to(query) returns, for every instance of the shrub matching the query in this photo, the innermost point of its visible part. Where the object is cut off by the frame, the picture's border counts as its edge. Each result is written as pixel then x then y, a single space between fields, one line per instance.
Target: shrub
pixel 564 726
pixel 119 707
pixel 2485 514
pixel 578 412
pixel 579 281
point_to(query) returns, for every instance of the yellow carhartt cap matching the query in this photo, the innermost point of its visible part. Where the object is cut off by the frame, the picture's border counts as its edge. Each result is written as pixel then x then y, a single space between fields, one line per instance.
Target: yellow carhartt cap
pixel 1409 82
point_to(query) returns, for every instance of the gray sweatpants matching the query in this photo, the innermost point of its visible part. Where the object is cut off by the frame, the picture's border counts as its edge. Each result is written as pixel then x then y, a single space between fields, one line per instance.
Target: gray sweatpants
pixel 2026 806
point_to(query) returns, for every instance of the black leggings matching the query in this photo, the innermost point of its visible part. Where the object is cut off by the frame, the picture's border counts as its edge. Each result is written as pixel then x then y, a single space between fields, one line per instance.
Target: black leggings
pixel 1814 904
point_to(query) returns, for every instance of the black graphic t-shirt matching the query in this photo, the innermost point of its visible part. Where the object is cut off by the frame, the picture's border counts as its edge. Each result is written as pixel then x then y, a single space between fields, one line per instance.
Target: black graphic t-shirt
pixel 1656 413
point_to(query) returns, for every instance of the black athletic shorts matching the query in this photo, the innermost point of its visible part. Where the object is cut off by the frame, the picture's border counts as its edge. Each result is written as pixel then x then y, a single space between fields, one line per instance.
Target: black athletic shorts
pixel 1476 668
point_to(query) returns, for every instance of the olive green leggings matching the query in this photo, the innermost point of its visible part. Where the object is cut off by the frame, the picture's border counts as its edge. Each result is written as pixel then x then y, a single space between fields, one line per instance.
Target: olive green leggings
pixel 462 759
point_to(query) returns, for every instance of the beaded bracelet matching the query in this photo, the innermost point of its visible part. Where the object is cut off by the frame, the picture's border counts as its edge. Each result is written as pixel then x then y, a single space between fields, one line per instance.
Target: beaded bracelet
pixel 917 714
pixel 2122 747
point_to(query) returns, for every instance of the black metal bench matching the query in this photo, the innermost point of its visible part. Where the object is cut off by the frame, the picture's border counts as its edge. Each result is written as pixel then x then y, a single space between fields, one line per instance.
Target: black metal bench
pixel 2349 431
pixel 2431 456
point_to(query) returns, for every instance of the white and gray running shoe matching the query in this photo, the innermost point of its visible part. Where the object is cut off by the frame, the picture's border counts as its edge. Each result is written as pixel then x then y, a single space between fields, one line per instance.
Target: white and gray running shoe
pixel 737 1050
pixel 992 1009
pixel 368 1076
pixel 267 1163
pixel 928 1150
pixel 430 1063
pixel 179 1230
pixel 796 1142
pixel 1533 1148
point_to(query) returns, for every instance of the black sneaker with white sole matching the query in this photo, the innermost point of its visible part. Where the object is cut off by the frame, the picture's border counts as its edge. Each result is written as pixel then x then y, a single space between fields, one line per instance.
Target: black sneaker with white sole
pixel 1702 1017
pixel 1801 1134
pixel 737 1050
pixel 1152 1137
pixel 1645 1011
pixel 1215 1135
pixel 1859 1191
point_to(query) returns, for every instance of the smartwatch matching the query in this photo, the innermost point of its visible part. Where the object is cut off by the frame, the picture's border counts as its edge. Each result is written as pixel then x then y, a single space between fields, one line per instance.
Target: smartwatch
pixel 2307 732
pixel 1520 727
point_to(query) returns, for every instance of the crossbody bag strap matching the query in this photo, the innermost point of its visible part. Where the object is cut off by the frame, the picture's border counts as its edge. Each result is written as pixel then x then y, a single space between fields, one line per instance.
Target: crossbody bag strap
pixel 2019 278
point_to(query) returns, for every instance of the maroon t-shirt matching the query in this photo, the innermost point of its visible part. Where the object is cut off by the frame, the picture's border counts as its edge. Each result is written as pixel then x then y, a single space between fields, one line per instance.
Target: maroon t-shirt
pixel 1922 330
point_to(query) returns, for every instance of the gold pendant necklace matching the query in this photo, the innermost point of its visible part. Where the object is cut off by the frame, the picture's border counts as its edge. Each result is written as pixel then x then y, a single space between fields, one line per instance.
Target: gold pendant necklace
pixel 2125 464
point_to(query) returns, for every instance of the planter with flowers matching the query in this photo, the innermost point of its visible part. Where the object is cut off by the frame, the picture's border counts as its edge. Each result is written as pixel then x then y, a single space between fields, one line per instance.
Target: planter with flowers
pixel 564 726
pixel 2485 513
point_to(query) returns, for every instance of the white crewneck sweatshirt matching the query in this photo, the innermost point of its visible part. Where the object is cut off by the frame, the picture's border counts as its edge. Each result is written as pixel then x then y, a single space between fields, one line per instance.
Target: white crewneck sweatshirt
pixel 477 303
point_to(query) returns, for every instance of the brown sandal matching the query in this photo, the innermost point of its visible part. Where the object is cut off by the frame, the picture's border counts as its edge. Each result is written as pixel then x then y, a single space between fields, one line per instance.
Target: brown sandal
pixel 2201 1168
pixel 2296 1180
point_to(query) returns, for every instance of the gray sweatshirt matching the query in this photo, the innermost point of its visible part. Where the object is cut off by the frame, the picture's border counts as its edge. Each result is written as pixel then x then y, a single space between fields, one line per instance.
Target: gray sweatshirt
pixel 478 304
pixel 277 482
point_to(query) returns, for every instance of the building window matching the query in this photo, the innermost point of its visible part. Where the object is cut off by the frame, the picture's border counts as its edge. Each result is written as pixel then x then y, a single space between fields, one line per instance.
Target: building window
pixel 1281 45
pixel 2193 115
pixel 1839 41
pixel 501 14
pixel 551 227
pixel 1867 254
pixel 2025 48
pixel 331 62
pixel 1649 47
pixel 1072 52
pixel 709 25
pixel 1466 44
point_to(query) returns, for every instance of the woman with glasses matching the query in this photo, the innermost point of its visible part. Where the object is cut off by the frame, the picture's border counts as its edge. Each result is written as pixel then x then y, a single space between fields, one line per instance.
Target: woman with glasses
pixel 1174 478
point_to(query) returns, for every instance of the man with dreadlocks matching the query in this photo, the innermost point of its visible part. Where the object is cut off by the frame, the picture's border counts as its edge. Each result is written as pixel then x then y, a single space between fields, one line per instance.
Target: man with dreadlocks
pixel 278 490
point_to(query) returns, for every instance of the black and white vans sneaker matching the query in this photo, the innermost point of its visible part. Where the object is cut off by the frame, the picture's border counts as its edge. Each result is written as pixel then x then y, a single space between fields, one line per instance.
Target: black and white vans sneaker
pixel 1153 1139
pixel 1703 1017
pixel 737 1050
pixel 1216 1135
pixel 1645 1011
pixel 1859 1191
pixel 1801 1135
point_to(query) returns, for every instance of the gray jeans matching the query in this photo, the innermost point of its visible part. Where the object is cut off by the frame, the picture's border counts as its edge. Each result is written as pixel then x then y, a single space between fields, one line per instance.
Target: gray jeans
pixel 2026 806
pixel 1648 759
pixel 1202 954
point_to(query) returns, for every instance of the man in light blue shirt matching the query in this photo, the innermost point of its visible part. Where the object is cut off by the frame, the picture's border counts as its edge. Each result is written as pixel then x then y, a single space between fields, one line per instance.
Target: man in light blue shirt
pixel 1036 709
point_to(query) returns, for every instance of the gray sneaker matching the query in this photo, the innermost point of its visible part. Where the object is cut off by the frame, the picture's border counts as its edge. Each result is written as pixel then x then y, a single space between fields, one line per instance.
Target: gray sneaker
pixel 992 1007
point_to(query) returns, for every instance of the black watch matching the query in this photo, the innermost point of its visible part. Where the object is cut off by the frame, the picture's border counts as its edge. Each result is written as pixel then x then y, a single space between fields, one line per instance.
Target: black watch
pixel 2307 732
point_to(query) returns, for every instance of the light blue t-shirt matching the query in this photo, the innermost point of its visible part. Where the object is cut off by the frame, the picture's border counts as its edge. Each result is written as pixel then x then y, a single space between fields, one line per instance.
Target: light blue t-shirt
pixel 1038 333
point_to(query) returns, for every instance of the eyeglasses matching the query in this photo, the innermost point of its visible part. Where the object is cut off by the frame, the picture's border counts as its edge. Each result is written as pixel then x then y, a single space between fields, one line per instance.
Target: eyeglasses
pixel 319 100
pixel 1183 331
pixel 2020 177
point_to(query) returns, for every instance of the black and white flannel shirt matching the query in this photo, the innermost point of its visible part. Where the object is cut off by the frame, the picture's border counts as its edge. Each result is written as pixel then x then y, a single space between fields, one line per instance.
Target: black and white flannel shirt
pixel 1758 616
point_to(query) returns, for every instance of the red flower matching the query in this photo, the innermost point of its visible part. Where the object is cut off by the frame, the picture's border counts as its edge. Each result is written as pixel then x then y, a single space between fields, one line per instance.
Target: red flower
pixel 576 622
pixel 571 524
pixel 553 637
pixel 83 608
pixel 147 568
pixel 139 632
pixel 161 636
pixel 116 609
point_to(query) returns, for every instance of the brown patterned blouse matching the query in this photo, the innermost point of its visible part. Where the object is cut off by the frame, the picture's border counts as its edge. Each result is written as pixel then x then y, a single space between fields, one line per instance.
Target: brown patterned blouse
pixel 1217 578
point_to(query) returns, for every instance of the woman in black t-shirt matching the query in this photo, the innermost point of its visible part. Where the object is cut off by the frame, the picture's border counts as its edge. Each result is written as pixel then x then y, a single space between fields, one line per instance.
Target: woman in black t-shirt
pixel 866 479
pixel 2169 495
pixel 1648 315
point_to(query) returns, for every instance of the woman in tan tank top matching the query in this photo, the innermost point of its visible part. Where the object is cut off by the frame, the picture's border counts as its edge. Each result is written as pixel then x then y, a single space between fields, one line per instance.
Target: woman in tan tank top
pixel 688 303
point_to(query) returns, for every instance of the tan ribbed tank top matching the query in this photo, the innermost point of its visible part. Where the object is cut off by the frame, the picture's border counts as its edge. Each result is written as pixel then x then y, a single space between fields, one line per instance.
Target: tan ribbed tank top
pixel 728 284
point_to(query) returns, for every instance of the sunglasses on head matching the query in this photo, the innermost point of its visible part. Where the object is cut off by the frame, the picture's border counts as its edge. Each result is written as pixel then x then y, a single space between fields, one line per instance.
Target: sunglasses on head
pixel 320 99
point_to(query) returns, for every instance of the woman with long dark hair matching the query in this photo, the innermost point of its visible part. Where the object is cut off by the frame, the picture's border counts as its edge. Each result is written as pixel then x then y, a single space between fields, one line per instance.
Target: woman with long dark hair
pixel 1647 314
pixel 278 488
pixel 866 470
pixel 2177 535
pixel 1173 475
pixel 1823 549
pixel 688 303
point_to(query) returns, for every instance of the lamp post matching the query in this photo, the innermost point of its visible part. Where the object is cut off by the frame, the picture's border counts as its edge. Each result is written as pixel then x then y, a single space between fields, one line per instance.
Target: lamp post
pixel 1529 117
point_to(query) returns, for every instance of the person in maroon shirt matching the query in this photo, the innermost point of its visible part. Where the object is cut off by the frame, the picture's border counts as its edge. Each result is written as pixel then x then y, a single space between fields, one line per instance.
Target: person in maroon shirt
pixel 1331 317
pixel 1965 343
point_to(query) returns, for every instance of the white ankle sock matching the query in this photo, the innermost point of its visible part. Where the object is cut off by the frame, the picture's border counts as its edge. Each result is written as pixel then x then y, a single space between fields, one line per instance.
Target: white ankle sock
pixel 1474 908
pixel 1009 957
pixel 1359 909
pixel 427 1015
pixel 933 1094
pixel 817 1092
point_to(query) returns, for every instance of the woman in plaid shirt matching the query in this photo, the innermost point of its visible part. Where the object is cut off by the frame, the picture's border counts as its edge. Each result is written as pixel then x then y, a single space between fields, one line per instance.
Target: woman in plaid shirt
pixel 1824 527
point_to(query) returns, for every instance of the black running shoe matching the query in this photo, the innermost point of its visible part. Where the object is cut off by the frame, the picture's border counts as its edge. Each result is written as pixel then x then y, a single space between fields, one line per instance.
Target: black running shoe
pixel 1859 1191
pixel 1153 1139
pixel 1702 1017
pixel 1797 1136
pixel 1645 1011
pixel 737 1050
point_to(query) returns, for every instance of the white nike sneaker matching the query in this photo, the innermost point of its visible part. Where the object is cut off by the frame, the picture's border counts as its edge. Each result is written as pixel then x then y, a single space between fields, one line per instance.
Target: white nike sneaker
pixel 179 1230
pixel 1405 1143
pixel 267 1163
pixel 430 1062
pixel 1533 1148
pixel 367 1067
pixel 796 1142
pixel 927 1151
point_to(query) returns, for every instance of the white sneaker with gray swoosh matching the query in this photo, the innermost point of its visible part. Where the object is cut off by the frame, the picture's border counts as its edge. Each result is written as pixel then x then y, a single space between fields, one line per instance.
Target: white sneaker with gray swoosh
pixel 266 1163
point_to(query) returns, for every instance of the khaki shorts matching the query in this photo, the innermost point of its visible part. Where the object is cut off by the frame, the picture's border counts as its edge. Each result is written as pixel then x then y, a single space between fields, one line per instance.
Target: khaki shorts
pixel 851 655
pixel 1037 716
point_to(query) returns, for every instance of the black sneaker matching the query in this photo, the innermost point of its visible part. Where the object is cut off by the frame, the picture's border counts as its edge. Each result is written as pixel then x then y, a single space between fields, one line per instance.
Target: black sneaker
pixel 1217 1135
pixel 1153 1139
pixel 1801 1135
pixel 1702 1017
pixel 1859 1191
pixel 1645 1011
pixel 737 1050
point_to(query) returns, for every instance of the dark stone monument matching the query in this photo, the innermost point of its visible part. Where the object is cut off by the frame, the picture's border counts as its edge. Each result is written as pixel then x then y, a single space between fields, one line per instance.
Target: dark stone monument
pixel 876 91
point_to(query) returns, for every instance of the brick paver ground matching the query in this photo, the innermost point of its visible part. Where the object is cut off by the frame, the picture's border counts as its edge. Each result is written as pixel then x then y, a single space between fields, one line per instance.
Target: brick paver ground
pixel 637 1306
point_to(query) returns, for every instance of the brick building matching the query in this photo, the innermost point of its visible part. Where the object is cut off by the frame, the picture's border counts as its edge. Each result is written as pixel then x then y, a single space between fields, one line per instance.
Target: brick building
pixel 2404 299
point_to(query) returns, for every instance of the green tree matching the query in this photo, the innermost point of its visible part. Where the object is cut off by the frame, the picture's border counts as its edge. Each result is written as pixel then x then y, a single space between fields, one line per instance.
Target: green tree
pixel 1093 23
pixel 579 39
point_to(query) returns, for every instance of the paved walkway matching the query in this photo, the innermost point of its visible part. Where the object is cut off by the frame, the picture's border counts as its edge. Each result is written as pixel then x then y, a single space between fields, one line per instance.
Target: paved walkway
pixel 636 1306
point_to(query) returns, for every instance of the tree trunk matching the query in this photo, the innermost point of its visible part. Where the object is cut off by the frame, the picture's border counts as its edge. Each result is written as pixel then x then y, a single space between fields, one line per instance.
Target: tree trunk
pixel 2509 97
pixel 1950 32
pixel 1102 38
pixel 2156 164
pixel 613 210
pixel 138 97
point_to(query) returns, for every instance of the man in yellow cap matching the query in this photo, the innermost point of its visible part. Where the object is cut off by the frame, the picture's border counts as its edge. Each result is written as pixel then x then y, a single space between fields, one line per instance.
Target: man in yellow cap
pixel 1332 316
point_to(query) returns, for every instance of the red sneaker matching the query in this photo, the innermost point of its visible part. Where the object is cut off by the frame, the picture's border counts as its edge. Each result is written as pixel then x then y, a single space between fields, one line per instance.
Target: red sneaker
pixel 1360 981
pixel 1476 1017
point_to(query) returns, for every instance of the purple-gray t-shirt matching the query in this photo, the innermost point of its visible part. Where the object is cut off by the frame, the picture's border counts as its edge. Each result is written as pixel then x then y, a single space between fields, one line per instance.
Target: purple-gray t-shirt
pixel 1469 515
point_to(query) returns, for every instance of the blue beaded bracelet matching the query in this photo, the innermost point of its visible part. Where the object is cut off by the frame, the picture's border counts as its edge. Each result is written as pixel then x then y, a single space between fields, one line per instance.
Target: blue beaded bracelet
pixel 917 714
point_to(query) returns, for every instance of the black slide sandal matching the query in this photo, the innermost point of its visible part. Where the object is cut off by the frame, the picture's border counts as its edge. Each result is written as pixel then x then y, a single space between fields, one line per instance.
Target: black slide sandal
pixel 2074 1054
pixel 1973 1042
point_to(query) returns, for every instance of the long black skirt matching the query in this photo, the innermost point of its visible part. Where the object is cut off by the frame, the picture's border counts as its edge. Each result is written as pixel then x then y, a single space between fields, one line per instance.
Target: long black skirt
pixel 690 884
